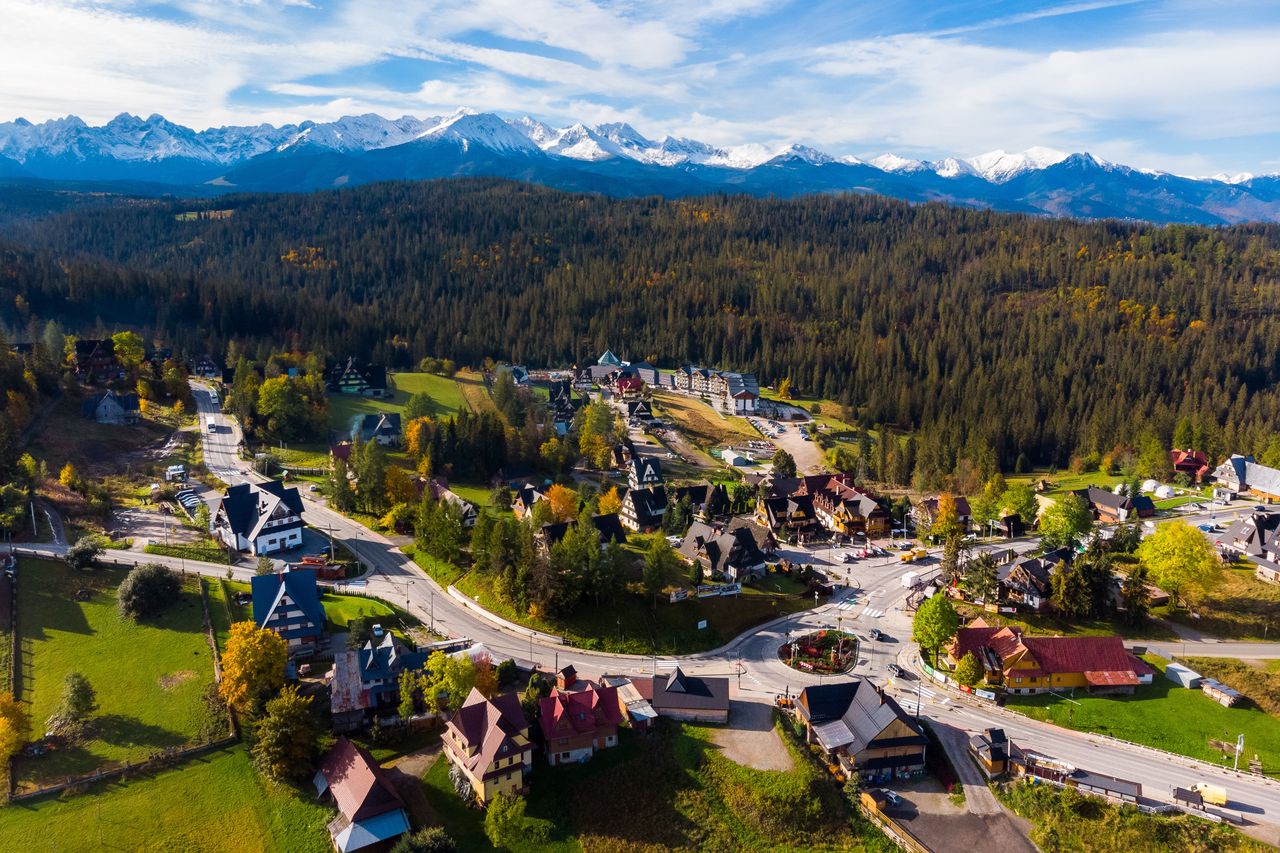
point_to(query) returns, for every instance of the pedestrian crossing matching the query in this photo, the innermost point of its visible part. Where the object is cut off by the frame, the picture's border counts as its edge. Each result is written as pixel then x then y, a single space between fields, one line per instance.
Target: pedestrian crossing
pixel 871 613
pixel 847 605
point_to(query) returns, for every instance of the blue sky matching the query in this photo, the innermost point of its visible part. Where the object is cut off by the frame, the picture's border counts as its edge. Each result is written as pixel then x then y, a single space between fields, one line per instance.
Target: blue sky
pixel 1183 85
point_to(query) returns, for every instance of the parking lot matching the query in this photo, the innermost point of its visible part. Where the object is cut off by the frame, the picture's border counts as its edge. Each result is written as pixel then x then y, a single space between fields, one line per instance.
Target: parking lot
pixel 791 437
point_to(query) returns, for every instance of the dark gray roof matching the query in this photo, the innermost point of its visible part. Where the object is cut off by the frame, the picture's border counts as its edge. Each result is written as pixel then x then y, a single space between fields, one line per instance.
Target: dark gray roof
pixel 823 702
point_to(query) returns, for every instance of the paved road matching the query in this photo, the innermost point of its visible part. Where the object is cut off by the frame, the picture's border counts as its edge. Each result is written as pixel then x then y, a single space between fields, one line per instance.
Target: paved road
pixel 874 598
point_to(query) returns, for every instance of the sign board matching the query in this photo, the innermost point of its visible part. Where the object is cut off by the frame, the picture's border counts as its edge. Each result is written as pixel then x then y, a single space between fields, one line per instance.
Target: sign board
pixel 702 624
pixel 985 694
pixel 679 595
pixel 713 590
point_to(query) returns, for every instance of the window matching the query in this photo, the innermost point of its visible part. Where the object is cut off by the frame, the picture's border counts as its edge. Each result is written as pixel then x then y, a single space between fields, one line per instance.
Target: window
pixel 1017 681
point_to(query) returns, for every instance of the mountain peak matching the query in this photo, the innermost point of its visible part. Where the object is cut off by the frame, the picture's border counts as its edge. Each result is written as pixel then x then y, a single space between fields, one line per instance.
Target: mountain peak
pixel 1000 166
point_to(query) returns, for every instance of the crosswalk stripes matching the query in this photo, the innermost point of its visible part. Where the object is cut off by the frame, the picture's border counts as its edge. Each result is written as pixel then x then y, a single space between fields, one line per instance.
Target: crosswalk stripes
pixel 847 605
pixel 871 613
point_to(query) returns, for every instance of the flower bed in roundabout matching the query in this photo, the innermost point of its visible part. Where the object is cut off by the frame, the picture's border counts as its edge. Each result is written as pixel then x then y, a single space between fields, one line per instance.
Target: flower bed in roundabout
pixel 824 652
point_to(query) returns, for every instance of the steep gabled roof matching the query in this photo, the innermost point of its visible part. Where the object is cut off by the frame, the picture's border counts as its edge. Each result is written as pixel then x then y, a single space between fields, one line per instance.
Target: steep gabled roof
pixel 359 787
pixel 300 586
pixel 490 726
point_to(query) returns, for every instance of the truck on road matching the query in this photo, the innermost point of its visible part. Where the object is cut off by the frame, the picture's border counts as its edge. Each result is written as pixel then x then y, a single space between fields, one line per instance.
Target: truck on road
pixel 1212 794
pixel 909 579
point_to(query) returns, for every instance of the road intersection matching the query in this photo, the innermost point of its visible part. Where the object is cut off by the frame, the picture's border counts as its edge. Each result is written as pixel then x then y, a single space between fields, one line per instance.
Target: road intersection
pixel 872 597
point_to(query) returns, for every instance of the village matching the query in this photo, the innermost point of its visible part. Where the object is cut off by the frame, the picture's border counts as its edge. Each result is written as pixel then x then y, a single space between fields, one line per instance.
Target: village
pixel 415 632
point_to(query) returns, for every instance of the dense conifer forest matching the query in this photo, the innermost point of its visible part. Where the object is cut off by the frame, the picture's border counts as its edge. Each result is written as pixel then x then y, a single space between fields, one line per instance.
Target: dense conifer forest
pixel 993 336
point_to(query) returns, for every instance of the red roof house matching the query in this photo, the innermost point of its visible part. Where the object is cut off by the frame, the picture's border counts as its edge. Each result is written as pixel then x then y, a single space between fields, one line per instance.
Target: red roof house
pixel 1193 463
pixel 577 722
pixel 371 810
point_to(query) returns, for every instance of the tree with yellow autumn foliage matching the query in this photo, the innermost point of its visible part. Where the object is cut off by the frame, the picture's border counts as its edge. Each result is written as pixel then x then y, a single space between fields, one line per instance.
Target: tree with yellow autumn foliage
pixel 252 666
pixel 609 503
pixel 563 502
pixel 15 726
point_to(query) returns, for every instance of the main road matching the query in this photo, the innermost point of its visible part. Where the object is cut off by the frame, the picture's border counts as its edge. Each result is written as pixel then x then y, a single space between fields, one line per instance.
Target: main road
pixel 873 596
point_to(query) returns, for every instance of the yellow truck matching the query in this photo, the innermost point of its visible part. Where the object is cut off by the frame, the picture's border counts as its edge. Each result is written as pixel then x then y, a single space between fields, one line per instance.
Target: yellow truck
pixel 921 553
pixel 1212 794
pixel 907 556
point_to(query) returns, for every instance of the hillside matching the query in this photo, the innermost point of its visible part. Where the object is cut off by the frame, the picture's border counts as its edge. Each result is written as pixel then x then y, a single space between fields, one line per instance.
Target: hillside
pixel 995 335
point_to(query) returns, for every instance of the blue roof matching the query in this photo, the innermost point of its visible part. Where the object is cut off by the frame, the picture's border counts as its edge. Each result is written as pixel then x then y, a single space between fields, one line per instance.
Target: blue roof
pixel 302 590
pixel 371 830
pixel 385 662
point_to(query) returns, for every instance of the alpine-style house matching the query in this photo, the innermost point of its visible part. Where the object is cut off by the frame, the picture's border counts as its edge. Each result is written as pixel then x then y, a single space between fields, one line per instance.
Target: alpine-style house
pixel 260 518
pixel 288 604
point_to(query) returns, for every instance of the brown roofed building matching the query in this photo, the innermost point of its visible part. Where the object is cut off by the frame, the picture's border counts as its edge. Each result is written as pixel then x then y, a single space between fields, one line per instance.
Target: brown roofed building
pixel 371 811
pixel 488 741
pixel 579 720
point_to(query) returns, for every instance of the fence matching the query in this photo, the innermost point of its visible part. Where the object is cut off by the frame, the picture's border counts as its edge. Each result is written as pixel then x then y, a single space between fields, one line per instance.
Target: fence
pixel 893 830
pixel 156 762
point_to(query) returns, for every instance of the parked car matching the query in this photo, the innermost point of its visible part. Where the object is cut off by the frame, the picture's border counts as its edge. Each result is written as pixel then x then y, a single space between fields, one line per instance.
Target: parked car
pixel 875 634
pixel 894 799
pixel 894 669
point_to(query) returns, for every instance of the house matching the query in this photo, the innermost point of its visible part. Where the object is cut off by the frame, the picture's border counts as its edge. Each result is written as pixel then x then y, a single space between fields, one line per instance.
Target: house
pixel 563 404
pixel 844 508
pixel 519 374
pixel 788 516
pixel 340 452
pixel 925 512
pixel 1193 463
pixel 643 509
pixel 647 372
pixel 382 427
pixel 690 698
pixel 731 554
pixel 609 527
pixel 1243 474
pixel 205 367
pixel 1028 581
pixel 707 500
pixel 862 729
pixel 487 740
pixel 1110 507
pixel 640 410
pixel 525 497
pixel 288 604
pixel 94 361
pixel 990 748
pixel 644 472
pixel 355 377
pixel 365 682
pixel 1255 537
pixel 370 809
pixel 626 381
pixel 1043 664
pixel 112 407
pixel 260 518
pixel 578 718
pixel 440 491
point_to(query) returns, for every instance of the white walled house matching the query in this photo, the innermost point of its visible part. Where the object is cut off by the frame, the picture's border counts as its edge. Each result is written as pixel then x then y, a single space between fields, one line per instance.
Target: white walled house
pixel 260 518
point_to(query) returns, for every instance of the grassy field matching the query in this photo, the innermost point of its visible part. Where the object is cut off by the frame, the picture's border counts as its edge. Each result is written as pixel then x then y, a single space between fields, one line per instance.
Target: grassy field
pixel 1164 716
pixel 1064 820
pixel 341 609
pixel 680 794
pixel 149 704
pixel 448 397
pixel 702 425
pixel 1239 606
pixel 1049 624
pixel 634 627
pixel 1258 680
pixel 215 802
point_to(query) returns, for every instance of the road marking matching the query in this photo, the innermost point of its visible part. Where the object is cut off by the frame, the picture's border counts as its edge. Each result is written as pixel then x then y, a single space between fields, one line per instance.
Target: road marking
pixel 847 605
pixel 872 614
pixel 874 593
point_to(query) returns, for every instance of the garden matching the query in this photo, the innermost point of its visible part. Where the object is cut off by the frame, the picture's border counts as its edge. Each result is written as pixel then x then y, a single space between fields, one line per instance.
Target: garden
pixel 148 676
pixel 669 790
pixel 823 652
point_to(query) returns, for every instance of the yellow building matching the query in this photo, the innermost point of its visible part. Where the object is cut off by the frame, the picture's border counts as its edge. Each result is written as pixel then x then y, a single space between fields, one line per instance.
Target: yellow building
pixel 488 742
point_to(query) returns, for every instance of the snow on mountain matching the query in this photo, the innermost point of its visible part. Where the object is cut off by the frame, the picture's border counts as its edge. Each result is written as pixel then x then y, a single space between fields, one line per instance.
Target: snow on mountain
pixel 468 128
pixel 580 142
pixel 803 153
pixel 1237 178
pixel 359 133
pixel 539 133
pixel 950 167
pixel 1001 166
pixel 893 163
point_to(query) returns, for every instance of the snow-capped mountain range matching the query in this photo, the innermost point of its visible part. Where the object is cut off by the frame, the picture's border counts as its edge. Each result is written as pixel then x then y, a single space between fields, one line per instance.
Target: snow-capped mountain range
pixel 154 154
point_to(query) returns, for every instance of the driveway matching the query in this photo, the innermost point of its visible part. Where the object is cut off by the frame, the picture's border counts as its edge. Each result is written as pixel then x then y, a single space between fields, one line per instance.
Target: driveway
pixel 751 740
pixel 928 813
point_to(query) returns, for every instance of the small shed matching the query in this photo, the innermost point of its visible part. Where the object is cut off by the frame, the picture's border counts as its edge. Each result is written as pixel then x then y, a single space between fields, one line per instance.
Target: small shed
pixel 1182 676
pixel 1221 693
pixel 733 458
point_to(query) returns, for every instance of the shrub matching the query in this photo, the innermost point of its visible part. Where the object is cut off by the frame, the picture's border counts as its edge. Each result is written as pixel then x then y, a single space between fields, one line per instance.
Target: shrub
pixel 79 700
pixel 85 552
pixel 148 590
pixel 432 839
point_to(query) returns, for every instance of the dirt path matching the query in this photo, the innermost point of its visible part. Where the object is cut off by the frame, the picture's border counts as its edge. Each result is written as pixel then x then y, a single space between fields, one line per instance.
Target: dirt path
pixel 406 774
pixel 751 740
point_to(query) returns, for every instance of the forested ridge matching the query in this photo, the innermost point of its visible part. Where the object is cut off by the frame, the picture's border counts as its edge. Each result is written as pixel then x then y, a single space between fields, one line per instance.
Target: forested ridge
pixel 991 334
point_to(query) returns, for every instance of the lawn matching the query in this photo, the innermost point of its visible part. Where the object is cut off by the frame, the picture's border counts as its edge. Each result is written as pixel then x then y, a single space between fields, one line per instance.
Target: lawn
pixel 215 802
pixel 671 790
pixel 152 703
pixel 1165 716
pixel 342 609
pixel 1049 624
pixel 1239 606
pixel 701 424
pixel 633 626
pixel 207 551
pixel 448 397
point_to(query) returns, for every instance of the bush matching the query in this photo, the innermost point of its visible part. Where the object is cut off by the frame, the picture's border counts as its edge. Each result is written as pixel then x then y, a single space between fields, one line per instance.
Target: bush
pixel 79 700
pixel 432 839
pixel 148 590
pixel 85 552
